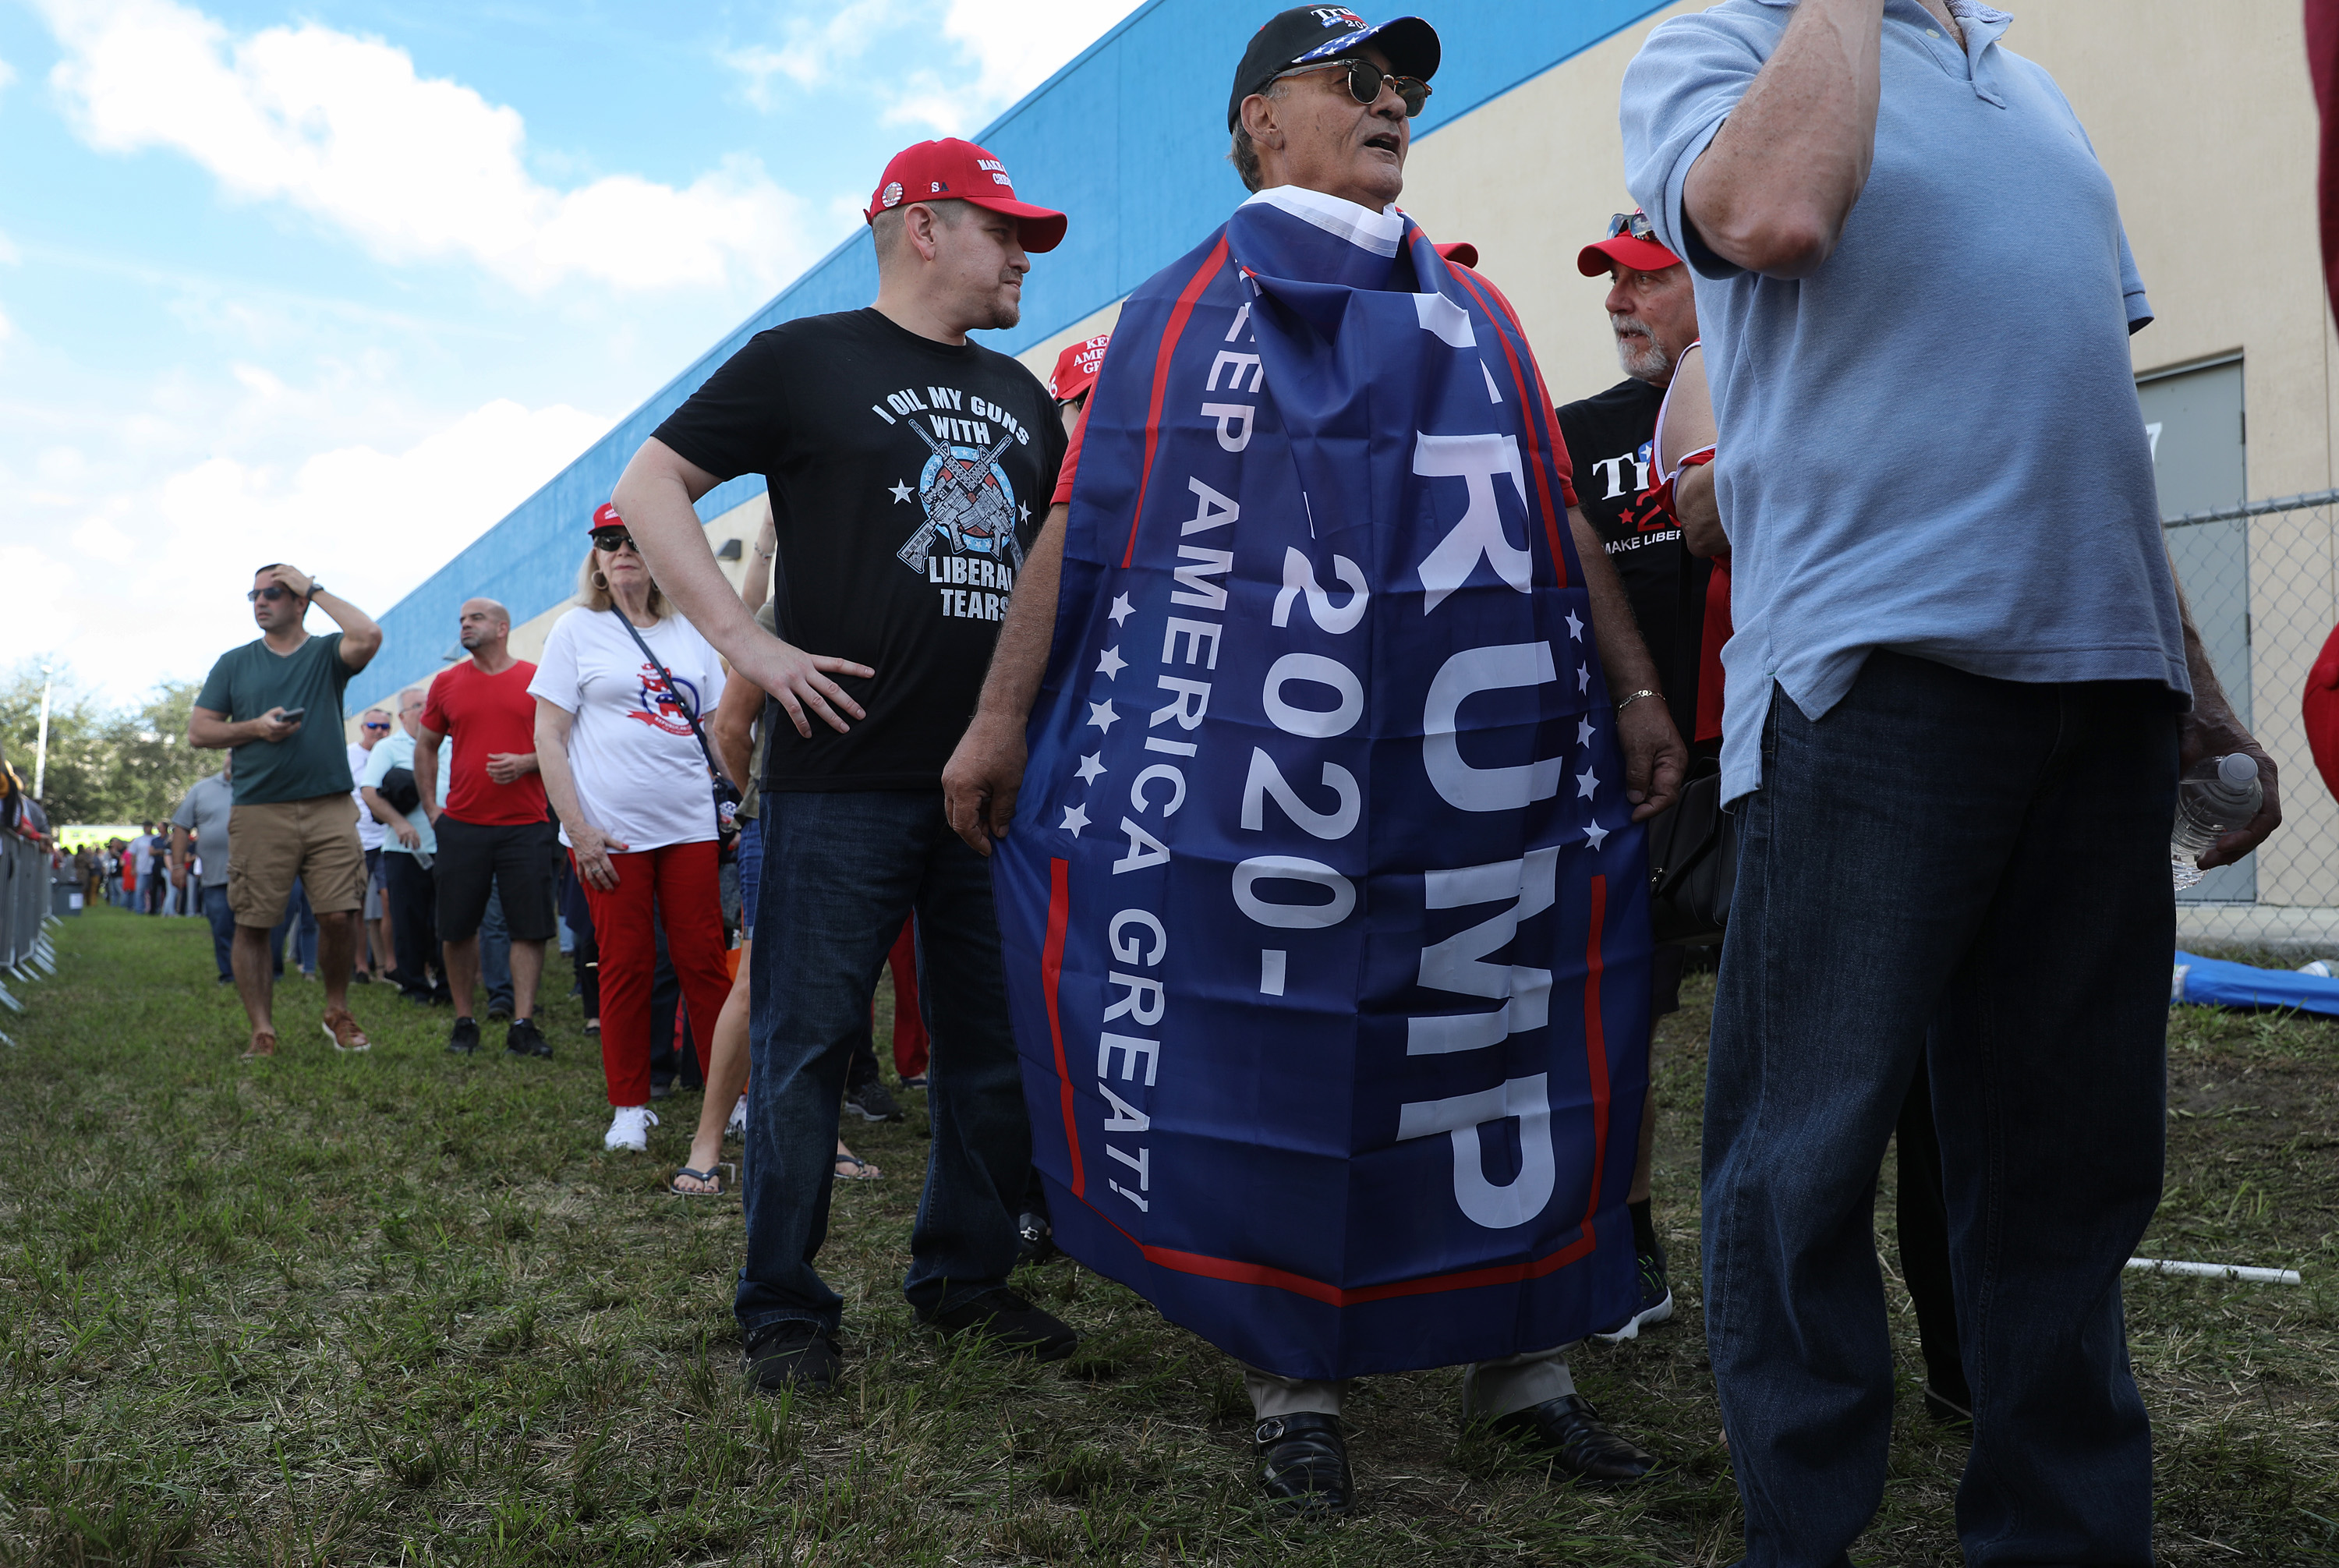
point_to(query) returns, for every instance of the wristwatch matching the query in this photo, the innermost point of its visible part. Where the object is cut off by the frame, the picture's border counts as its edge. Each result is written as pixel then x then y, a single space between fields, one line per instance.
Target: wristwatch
pixel 315 587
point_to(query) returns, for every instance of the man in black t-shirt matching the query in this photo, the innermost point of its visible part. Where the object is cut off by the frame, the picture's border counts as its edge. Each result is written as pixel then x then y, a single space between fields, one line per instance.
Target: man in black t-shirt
pixel 1652 310
pixel 906 466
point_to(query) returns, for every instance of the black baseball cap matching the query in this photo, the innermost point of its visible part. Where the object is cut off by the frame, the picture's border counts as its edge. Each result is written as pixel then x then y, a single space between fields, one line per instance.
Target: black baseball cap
pixel 1306 34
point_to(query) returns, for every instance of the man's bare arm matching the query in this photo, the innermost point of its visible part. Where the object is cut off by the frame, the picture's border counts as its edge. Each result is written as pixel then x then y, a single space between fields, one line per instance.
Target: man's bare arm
pixel 986 773
pixel 1772 188
pixel 2212 729
pixel 1655 761
pixel 426 768
pixel 730 727
pixel 654 496
pixel 209 731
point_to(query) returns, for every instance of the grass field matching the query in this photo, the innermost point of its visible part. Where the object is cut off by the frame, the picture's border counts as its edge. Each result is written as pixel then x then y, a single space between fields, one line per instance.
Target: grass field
pixel 400 1308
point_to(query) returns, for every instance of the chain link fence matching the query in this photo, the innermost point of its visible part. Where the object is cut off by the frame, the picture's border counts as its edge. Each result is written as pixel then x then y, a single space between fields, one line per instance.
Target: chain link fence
pixel 2263 581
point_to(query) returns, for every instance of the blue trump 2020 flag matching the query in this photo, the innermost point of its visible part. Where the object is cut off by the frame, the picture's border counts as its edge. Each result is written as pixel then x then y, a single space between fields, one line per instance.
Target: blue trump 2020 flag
pixel 1323 910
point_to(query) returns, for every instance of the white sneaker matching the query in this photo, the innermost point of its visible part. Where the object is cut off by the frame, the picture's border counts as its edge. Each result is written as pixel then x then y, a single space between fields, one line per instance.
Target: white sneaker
pixel 738 1126
pixel 630 1128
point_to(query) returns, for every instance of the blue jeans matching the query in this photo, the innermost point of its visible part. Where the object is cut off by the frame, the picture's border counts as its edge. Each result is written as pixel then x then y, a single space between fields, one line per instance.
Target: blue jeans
pixel 841 872
pixel 1967 878
pixel 495 953
pixel 301 924
pixel 223 921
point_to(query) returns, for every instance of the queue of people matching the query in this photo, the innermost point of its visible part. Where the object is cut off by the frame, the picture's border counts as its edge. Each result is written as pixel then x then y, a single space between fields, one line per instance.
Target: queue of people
pixel 1725 513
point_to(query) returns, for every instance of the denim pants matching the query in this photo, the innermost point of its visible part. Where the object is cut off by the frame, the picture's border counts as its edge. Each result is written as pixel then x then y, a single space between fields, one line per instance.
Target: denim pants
pixel 1967 878
pixel 841 871
pixel 300 927
pixel 495 953
pixel 223 918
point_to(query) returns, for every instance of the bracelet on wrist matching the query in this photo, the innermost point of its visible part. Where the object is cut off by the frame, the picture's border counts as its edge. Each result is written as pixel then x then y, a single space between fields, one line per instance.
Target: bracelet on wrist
pixel 1631 697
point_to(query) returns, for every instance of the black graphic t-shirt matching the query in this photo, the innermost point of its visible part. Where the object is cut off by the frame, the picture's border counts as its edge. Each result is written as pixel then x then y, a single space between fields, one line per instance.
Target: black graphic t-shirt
pixel 907 479
pixel 1611 437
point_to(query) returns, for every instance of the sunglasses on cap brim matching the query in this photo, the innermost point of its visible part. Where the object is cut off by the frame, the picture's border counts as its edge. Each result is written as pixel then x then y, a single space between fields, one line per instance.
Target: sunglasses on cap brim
pixel 1636 224
pixel 611 540
pixel 1365 81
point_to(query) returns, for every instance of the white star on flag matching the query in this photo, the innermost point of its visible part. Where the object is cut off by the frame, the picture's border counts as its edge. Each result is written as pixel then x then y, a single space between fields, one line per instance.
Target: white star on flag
pixel 1091 769
pixel 1594 835
pixel 1111 664
pixel 1584 677
pixel 1075 818
pixel 900 493
pixel 1575 626
pixel 1102 715
pixel 1584 732
pixel 1585 783
pixel 1122 610
pixel 1023 514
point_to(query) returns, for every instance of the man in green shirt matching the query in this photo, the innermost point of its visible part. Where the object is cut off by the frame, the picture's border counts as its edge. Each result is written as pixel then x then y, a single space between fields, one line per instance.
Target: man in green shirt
pixel 277 702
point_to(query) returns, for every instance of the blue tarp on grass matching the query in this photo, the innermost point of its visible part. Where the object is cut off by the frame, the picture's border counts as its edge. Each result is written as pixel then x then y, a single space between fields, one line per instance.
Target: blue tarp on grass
pixel 2216 983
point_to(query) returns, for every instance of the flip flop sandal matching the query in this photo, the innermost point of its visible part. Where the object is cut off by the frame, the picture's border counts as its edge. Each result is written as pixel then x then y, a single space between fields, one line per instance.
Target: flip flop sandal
pixel 862 1170
pixel 713 1173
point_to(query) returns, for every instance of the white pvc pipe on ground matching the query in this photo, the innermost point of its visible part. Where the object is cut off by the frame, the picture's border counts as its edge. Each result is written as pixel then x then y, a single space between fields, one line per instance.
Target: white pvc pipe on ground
pixel 2216 1271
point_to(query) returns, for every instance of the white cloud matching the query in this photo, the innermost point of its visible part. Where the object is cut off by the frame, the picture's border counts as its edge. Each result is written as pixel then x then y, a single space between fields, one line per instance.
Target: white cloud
pixel 373 524
pixel 1008 47
pixel 415 168
pixel 810 53
pixel 7 74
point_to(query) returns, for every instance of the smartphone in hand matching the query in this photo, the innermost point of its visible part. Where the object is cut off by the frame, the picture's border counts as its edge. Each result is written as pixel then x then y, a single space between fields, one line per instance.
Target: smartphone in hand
pixel 292 715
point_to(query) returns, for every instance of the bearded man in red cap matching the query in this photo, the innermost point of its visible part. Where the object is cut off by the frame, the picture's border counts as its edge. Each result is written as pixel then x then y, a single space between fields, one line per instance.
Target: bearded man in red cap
pixel 908 468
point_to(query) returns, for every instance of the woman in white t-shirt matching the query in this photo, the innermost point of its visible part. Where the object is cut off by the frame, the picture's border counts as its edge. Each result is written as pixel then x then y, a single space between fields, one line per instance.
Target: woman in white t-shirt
pixel 636 804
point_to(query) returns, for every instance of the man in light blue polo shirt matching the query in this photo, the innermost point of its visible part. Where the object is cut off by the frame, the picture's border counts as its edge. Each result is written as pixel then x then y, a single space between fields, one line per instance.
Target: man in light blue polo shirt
pixel 1958 695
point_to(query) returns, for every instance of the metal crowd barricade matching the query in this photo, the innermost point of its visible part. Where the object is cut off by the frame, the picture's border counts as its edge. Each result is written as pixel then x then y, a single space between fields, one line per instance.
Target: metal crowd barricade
pixel 25 913
pixel 2263 582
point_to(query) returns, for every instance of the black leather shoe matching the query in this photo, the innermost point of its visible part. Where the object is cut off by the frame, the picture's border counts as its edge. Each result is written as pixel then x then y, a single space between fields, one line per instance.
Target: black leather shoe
pixel 1303 1465
pixel 1570 1430
pixel 793 1355
pixel 1005 1321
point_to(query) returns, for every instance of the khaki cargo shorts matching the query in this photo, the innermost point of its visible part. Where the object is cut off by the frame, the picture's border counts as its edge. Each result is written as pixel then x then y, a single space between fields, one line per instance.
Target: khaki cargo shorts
pixel 272 843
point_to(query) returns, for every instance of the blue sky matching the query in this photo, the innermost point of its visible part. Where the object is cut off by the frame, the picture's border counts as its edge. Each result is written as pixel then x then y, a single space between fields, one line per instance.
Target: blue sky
pixel 342 284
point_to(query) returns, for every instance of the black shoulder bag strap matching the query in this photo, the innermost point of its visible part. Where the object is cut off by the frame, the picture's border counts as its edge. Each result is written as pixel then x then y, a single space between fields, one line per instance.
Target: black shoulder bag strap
pixel 726 793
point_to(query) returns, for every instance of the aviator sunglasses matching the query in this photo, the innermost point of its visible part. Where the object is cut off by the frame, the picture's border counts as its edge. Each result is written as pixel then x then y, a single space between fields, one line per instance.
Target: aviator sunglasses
pixel 1636 224
pixel 1365 80
pixel 610 541
pixel 272 593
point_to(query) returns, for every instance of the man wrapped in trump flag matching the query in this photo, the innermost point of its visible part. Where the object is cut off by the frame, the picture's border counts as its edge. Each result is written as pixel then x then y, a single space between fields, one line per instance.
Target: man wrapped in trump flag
pixel 1314 747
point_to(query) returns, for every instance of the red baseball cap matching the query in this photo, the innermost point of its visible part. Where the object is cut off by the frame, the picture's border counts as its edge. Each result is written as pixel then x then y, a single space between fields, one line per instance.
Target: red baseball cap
pixel 1626 248
pixel 1076 369
pixel 604 516
pixel 953 169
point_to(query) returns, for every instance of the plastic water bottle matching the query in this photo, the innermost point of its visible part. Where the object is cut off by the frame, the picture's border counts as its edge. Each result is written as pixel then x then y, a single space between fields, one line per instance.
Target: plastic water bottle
pixel 2213 799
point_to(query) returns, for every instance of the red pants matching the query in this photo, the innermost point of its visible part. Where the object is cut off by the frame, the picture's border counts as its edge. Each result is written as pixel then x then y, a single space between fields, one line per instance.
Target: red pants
pixel 688 902
pixel 909 1023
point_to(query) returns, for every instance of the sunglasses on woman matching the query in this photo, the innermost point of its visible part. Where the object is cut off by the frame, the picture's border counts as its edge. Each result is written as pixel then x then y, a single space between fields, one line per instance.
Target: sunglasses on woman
pixel 1365 80
pixel 610 541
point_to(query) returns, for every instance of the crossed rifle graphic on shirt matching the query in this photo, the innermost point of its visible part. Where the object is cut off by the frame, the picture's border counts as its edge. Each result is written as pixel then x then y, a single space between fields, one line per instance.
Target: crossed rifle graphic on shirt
pixel 968 478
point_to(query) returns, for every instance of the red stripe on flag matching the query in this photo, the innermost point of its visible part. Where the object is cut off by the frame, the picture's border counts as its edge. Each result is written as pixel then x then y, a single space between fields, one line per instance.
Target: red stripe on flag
pixel 1527 417
pixel 1051 974
pixel 1169 335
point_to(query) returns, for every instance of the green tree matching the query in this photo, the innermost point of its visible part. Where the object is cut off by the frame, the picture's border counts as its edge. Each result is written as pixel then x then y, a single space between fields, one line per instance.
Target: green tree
pixel 123 764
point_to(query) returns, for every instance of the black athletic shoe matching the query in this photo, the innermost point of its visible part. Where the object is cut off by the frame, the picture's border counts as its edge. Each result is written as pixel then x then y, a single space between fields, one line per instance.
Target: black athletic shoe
pixel 1303 1463
pixel 1654 1305
pixel 522 1040
pixel 871 1102
pixel 793 1355
pixel 1005 1322
pixel 1039 1238
pixel 465 1040
pixel 497 1010
pixel 1570 1430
